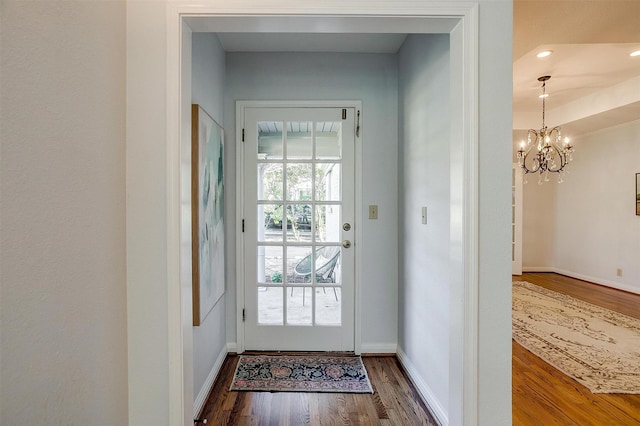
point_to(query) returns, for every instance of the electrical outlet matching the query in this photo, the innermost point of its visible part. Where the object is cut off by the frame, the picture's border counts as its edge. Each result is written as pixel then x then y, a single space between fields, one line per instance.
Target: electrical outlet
pixel 619 272
pixel 373 211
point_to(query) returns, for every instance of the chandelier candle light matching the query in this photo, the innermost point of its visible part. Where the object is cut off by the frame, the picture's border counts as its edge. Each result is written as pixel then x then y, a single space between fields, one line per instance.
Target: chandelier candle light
pixel 551 154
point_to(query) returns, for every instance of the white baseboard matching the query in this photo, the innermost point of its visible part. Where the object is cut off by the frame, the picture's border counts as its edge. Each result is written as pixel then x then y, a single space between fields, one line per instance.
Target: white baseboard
pixel 201 398
pixel 367 348
pixel 423 389
pixel 538 269
pixel 378 348
pixel 595 280
pixel 612 284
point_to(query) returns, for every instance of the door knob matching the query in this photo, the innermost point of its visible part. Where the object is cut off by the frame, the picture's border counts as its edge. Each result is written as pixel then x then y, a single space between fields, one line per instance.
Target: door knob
pixel 346 226
pixel 346 244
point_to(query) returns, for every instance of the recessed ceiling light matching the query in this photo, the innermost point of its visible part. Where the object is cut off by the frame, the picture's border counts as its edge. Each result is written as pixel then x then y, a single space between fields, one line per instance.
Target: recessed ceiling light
pixel 544 53
pixel 635 53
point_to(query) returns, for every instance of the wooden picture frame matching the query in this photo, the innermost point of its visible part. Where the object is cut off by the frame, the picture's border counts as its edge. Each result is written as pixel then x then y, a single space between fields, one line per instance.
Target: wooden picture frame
pixel 207 212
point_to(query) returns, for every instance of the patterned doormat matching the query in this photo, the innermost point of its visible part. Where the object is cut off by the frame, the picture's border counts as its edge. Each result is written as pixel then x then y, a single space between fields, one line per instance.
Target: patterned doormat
pixel 598 347
pixel 301 373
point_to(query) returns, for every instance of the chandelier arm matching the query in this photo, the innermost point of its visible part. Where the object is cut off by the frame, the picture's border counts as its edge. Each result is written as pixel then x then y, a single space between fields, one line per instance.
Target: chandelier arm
pixel 563 158
pixel 558 149
pixel 526 168
pixel 558 133
pixel 524 154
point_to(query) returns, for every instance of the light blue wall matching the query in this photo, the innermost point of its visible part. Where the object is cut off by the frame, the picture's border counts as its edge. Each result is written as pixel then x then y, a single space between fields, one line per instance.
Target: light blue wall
pixel 373 79
pixel 207 88
pixel 424 289
pixel 494 97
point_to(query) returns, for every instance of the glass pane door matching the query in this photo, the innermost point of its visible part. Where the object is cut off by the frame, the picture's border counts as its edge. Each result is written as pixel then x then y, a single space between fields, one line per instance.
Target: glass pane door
pixel 295 300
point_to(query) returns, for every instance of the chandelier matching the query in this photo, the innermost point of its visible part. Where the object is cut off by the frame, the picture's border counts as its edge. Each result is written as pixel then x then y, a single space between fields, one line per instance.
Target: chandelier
pixel 551 153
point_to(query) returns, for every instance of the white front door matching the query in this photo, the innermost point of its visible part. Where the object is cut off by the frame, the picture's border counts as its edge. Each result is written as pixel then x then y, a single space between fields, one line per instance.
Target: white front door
pixel 298 212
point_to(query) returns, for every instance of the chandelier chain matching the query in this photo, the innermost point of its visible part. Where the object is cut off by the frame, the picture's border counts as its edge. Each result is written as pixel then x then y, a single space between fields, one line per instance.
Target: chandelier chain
pixel 544 98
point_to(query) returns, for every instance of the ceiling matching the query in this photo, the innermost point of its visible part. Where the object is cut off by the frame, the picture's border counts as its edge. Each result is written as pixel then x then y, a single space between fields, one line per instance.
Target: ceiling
pixel 311 42
pixel 595 83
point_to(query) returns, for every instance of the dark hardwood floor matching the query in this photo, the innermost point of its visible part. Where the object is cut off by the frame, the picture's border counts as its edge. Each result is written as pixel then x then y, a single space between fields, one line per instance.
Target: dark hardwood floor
pixel 542 395
pixel 394 401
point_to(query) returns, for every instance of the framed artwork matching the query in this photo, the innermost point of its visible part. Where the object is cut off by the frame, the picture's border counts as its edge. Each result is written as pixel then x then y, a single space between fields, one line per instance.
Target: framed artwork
pixel 207 212
pixel 638 194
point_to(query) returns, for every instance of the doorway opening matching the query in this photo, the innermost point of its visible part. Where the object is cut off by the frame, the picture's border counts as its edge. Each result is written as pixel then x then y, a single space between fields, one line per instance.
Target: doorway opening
pixel 463 74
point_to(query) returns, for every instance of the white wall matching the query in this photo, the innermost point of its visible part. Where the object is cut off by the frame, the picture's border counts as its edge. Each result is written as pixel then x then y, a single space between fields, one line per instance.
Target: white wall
pixel 371 78
pixel 423 332
pixel 62 252
pixel 597 230
pixel 586 227
pixel 208 77
pixel 538 223
pixel 538 216
pixel 148 284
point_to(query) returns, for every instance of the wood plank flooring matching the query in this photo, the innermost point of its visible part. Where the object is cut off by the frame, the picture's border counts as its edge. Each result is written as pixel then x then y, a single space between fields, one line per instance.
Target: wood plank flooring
pixel 395 401
pixel 542 395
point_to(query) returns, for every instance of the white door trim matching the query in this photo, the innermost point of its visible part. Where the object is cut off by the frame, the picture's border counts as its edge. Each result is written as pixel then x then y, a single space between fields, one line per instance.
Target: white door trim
pixel 516 265
pixel 464 114
pixel 240 109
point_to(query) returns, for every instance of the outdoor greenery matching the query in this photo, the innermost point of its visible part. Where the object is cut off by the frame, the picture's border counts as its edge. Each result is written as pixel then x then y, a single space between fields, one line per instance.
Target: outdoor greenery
pixel 299 193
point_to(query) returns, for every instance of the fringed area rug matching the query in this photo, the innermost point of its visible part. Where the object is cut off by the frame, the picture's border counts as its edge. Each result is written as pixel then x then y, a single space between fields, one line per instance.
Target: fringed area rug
pixel 597 347
pixel 301 373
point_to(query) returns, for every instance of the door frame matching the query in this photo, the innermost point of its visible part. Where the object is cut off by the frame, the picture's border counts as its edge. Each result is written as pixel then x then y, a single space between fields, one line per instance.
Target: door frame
pixel 240 283
pixel 516 264
pixel 460 21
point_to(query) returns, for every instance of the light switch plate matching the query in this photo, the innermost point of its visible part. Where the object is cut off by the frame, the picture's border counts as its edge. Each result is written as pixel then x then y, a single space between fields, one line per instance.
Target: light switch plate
pixel 373 211
pixel 424 215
